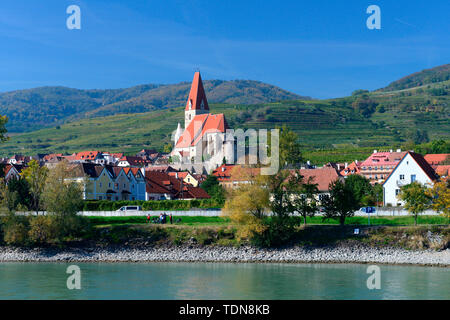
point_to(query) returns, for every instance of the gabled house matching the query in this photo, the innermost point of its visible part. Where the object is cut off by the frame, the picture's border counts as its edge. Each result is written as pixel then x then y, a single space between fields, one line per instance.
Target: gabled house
pixel 412 167
pixel 130 161
pixel 186 176
pixel 162 186
pixel 379 165
pixel 137 183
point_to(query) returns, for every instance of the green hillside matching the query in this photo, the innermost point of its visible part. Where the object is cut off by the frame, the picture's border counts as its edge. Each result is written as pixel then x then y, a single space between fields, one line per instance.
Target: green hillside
pixel 421 78
pixel 321 124
pixel 342 129
pixel 37 108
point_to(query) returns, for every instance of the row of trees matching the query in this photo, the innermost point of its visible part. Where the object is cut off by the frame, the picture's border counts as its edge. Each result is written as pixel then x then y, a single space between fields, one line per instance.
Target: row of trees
pixel 264 207
pixel 419 198
pixel 39 188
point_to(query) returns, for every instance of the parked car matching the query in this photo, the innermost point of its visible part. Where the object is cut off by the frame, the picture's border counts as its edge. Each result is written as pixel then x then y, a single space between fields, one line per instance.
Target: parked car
pixel 130 208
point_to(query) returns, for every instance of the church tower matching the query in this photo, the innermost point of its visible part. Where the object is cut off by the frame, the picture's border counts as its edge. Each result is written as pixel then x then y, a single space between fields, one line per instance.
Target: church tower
pixel 196 103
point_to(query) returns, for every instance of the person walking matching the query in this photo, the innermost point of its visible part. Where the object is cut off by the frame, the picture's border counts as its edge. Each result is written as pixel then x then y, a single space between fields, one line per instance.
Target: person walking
pixel 148 218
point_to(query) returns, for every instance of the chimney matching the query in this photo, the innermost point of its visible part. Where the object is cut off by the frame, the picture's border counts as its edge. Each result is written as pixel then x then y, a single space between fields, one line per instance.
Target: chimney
pixel 346 165
pixel 176 175
pixel 338 167
pixel 223 169
pixel 356 162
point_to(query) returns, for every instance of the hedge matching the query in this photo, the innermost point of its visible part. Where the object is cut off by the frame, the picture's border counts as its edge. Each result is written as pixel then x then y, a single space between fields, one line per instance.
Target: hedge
pixel 106 205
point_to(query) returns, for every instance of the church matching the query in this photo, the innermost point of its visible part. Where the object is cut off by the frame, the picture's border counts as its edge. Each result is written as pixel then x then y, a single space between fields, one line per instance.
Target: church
pixel 203 144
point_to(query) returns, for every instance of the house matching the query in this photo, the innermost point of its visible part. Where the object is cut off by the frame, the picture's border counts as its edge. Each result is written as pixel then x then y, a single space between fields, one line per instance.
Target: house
pixel 379 165
pixel 131 161
pixel 12 171
pixel 231 176
pixel 162 186
pixel 148 154
pixel 105 182
pixel 352 168
pixel 203 144
pixel 323 177
pixel 412 167
pixel 88 156
pixel 20 159
pixel 186 176
pixel 137 183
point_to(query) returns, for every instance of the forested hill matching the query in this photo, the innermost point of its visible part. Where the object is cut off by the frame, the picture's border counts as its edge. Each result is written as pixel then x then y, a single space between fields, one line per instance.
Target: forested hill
pixel 37 108
pixel 421 78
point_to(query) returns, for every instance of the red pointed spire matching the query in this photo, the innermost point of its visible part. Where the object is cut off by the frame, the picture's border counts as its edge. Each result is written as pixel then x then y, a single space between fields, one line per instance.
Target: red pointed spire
pixel 197 97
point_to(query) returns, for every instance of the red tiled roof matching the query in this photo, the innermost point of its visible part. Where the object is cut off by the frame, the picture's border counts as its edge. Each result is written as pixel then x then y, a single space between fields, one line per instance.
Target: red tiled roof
pixel 383 158
pixel 226 171
pixel 197 94
pixel 87 155
pixel 160 182
pixel 435 159
pixel 442 170
pixel 201 125
pixel 134 161
pixel 322 176
pixel 351 167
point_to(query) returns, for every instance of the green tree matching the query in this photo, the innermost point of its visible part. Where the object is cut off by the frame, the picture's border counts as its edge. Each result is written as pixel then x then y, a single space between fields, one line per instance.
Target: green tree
pixel 290 149
pixel 416 198
pixel 361 188
pixel 440 194
pixel 304 196
pixel 213 188
pixel 22 189
pixel 3 121
pixel 36 176
pixel 340 203
pixel 63 198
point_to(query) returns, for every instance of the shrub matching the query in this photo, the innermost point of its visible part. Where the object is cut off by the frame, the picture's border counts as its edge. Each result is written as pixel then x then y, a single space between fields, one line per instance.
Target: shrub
pixel 42 229
pixel 15 230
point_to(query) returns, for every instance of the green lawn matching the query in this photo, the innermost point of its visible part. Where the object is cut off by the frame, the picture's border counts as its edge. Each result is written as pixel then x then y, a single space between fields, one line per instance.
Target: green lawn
pixel 224 221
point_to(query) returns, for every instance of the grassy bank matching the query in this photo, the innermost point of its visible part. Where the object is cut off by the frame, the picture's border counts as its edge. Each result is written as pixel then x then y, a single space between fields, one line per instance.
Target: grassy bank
pixel 224 221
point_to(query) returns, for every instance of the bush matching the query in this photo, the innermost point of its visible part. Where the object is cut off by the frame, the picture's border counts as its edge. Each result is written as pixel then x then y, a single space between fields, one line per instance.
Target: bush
pixel 277 232
pixel 15 230
pixel 42 229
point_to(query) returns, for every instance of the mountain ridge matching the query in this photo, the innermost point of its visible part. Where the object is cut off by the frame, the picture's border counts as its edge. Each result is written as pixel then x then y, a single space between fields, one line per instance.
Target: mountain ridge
pixel 48 106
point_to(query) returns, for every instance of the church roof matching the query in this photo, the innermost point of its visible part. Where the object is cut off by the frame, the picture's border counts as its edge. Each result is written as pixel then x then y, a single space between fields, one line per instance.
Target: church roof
pixel 199 126
pixel 197 97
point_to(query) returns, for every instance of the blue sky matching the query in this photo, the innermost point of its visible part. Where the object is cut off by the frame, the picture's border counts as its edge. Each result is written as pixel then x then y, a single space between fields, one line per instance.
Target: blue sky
pixel 318 48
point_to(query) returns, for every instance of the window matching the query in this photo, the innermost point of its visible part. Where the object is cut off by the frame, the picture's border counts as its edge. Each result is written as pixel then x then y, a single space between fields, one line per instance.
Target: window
pixel 100 184
pixel 413 177
pixel 100 197
pixel 397 191
pixel 402 177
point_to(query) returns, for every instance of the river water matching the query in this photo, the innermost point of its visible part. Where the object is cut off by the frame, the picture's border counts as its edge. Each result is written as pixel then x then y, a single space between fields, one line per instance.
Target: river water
pixel 221 281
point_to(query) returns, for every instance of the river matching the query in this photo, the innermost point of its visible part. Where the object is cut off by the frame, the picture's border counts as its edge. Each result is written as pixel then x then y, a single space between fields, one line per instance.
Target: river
pixel 221 281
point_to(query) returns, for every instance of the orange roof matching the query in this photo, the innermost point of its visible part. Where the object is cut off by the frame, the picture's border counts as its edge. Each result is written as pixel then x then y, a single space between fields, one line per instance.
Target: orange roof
pixel 180 175
pixel 352 168
pixel 201 125
pixel 442 170
pixel 434 159
pixel 322 176
pixel 197 97
pixel 87 155
pixel 225 172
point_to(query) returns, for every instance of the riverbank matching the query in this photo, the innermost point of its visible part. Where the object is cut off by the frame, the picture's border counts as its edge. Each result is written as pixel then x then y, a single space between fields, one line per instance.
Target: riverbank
pixel 348 253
